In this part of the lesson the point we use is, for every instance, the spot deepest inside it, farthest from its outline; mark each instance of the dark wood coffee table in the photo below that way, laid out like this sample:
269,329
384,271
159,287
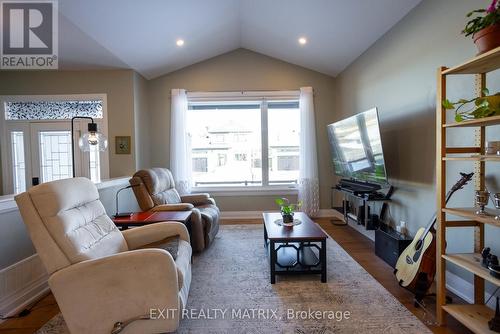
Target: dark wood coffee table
150,217
300,249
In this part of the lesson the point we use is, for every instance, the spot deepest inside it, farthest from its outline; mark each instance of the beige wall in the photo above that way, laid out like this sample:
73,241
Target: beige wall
141,121
243,70
398,75
117,84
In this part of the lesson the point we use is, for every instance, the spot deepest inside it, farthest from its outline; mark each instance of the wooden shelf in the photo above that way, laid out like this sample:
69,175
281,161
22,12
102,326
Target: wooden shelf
474,317
486,121
472,263
484,63
470,213
474,158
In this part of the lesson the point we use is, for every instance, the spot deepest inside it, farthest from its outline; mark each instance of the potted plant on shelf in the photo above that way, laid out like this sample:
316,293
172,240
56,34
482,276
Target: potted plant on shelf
287,209
485,28
478,107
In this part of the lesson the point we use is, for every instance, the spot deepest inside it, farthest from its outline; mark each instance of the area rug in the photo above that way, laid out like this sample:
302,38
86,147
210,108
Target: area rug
231,293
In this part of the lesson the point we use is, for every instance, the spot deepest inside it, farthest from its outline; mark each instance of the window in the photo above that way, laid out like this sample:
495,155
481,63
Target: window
239,129
284,141
200,165
240,157
288,163
39,142
18,164
221,160
55,155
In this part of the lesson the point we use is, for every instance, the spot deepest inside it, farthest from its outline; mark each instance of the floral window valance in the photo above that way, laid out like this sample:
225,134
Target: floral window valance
40,110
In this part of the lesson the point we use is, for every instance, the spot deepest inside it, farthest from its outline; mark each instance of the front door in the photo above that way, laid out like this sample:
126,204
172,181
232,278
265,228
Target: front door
41,152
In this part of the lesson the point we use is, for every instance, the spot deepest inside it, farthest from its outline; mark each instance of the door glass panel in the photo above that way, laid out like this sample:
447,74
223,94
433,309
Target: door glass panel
18,162
55,155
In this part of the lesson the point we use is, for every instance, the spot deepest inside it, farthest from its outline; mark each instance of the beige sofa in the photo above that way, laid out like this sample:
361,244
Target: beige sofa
100,276
155,190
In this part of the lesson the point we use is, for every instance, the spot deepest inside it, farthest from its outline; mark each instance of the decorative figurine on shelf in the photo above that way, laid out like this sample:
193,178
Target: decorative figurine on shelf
482,199
494,323
496,201
287,209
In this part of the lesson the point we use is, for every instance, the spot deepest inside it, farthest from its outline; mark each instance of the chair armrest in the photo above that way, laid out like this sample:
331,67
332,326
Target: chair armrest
198,199
93,295
173,207
148,234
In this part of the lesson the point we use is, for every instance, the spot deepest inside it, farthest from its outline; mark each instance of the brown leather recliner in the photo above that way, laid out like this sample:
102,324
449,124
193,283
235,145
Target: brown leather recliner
155,190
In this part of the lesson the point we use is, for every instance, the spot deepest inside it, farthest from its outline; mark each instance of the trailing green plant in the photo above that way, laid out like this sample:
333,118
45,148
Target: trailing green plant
480,22
478,107
285,206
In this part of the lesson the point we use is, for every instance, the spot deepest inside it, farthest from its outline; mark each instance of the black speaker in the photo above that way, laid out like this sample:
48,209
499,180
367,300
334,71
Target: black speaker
389,244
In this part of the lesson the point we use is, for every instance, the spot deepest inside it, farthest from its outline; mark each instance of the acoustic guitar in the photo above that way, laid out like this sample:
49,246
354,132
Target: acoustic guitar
416,266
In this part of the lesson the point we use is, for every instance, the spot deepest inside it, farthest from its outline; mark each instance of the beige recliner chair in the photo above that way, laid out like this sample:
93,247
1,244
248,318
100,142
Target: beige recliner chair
99,275
155,190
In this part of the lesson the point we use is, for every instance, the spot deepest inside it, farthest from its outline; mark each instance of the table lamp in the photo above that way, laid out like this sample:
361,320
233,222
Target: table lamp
119,214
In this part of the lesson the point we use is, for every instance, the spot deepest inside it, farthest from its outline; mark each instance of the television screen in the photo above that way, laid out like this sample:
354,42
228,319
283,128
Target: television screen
357,149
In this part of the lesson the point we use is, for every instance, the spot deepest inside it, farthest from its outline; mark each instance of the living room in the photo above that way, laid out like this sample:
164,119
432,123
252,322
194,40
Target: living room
146,161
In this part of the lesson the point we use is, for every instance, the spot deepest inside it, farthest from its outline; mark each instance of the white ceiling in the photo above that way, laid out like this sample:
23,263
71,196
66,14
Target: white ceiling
141,35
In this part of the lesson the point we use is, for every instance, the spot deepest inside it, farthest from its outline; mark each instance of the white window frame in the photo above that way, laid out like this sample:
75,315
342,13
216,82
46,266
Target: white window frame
6,125
263,97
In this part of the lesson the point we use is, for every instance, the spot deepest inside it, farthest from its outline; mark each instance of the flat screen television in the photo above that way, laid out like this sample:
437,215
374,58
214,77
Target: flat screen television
357,149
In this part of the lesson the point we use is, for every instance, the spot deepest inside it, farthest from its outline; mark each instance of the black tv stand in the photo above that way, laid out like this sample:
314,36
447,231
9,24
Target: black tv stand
357,187
354,191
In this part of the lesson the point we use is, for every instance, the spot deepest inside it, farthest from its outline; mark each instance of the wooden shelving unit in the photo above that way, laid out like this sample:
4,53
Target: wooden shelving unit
470,213
474,158
474,316
472,263
493,120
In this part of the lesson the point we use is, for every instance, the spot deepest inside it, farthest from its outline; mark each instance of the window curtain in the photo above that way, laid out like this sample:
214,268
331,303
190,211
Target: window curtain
308,159
180,148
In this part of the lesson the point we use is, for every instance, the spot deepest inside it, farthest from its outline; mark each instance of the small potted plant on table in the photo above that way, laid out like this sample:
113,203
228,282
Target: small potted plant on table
485,30
287,209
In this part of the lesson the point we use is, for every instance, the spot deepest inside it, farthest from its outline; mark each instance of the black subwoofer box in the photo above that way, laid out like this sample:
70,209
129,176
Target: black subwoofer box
389,244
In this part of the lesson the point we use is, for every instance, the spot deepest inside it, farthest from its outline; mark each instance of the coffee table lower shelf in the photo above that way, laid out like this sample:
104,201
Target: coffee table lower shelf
297,258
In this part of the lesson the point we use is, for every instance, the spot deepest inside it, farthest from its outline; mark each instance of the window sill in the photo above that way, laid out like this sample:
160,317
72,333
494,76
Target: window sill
246,191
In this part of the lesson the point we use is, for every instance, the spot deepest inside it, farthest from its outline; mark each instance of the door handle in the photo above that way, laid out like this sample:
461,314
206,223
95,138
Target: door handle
35,181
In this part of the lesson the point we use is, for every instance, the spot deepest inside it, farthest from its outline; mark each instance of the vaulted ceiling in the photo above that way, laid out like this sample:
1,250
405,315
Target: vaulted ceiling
142,35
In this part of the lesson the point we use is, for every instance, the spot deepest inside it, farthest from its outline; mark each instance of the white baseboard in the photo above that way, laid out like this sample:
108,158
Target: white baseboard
22,284
244,215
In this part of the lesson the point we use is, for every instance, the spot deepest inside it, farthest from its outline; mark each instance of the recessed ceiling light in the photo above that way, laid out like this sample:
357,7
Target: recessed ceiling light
302,41
180,42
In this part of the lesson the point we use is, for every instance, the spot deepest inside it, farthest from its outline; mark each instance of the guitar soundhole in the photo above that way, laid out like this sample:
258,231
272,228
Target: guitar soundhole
418,245
409,260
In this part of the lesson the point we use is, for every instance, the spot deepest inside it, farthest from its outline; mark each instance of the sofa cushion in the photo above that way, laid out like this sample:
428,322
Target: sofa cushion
170,196
183,263
170,244
210,214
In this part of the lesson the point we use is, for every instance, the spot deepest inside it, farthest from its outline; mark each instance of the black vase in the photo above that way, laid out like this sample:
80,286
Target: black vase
287,218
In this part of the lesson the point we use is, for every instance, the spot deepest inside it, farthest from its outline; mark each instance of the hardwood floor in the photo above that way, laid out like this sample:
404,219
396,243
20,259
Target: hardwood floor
358,246
42,312
361,249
